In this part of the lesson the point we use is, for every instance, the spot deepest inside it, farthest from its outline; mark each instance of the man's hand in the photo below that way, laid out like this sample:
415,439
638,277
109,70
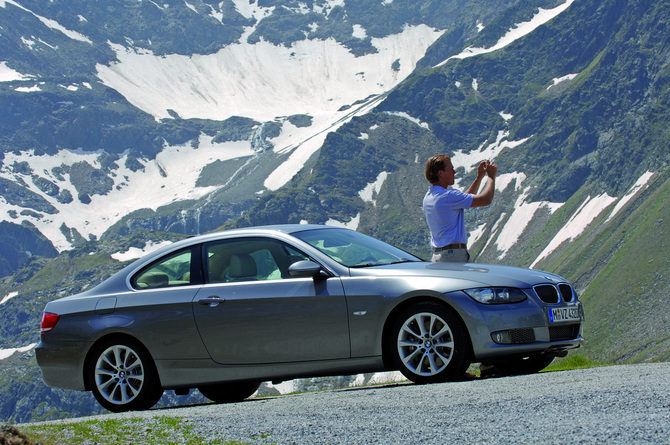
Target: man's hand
491,169
486,196
482,168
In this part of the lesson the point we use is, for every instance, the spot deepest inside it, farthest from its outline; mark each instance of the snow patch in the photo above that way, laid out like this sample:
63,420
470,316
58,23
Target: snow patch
641,184
378,378
191,7
470,161
302,145
8,297
28,42
353,224
504,180
170,177
135,252
474,235
516,32
8,75
494,230
516,224
305,142
359,32
288,387
506,116
51,23
558,80
6,353
369,193
408,117
35,88
585,214
241,79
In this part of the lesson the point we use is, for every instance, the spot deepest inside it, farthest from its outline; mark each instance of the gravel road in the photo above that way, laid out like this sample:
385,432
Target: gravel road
620,404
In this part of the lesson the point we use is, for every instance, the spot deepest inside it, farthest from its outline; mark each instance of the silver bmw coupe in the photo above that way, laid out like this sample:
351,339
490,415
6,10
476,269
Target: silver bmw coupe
226,311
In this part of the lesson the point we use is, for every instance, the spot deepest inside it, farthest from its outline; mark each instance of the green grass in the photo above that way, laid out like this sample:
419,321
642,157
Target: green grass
159,430
573,362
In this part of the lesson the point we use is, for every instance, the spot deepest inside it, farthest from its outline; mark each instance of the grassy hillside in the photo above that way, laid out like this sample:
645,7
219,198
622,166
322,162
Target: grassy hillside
625,263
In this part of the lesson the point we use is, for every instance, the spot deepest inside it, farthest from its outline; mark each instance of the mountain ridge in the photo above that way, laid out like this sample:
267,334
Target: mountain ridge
574,113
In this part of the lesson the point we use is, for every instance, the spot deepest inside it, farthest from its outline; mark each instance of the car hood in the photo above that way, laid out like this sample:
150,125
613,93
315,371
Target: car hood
478,274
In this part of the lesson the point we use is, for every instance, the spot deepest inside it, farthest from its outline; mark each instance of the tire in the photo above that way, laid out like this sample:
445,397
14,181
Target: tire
123,377
430,344
229,392
523,365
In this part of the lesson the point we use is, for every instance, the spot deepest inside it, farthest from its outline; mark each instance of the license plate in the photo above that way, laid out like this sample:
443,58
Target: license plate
561,314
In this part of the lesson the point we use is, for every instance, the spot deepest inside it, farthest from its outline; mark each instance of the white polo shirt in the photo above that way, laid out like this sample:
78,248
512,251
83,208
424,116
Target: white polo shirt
445,215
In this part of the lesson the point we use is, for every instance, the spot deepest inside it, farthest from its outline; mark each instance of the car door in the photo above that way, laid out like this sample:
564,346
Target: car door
158,310
250,310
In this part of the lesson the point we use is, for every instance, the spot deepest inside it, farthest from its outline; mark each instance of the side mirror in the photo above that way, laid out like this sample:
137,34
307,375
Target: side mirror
304,269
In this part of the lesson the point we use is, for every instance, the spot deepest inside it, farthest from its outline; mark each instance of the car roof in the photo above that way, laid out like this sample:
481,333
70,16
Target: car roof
120,277
282,228
285,228
253,230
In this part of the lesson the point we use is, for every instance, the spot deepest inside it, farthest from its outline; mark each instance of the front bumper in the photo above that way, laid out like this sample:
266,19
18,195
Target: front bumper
500,330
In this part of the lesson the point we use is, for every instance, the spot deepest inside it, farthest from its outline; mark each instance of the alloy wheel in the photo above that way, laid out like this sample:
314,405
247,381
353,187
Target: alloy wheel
119,374
425,344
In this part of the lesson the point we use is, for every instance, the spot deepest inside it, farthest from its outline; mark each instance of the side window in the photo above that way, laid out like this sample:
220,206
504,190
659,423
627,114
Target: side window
173,270
266,266
249,259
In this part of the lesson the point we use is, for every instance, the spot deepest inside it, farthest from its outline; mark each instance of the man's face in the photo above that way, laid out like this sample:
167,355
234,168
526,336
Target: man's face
447,176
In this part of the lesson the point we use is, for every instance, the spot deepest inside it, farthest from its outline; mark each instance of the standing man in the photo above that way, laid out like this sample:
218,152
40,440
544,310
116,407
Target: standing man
445,208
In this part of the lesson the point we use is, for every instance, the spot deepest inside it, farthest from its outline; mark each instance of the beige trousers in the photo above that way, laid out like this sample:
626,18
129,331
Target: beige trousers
451,256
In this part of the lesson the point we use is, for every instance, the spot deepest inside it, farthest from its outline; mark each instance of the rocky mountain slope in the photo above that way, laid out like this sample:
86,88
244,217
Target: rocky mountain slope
131,124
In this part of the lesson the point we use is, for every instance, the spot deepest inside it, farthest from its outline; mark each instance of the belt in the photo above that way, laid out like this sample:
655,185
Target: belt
451,247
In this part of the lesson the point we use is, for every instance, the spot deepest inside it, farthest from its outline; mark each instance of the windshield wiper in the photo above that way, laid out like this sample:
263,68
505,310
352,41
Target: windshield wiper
400,260
403,260
365,265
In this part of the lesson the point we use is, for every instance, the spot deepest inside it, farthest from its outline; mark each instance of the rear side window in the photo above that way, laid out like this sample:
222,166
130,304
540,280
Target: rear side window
172,270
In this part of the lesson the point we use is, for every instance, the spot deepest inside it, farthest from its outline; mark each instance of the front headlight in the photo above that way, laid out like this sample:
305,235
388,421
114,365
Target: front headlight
496,295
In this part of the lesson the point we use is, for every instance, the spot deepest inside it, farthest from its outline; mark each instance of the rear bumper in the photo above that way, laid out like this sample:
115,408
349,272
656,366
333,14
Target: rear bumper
62,366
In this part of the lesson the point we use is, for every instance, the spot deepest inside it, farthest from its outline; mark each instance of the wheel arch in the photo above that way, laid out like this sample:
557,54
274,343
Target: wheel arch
116,337
387,344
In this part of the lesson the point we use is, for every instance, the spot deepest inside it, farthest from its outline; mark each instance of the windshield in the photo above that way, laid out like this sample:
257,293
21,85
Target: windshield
353,249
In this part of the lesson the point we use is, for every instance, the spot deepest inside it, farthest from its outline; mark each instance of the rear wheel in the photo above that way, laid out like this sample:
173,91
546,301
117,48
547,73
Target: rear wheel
229,392
123,377
430,344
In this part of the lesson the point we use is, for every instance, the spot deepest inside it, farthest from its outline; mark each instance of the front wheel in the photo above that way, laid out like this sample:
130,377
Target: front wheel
430,344
123,377
229,392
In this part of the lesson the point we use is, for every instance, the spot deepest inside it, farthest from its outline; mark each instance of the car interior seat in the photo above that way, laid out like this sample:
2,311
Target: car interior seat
242,267
216,268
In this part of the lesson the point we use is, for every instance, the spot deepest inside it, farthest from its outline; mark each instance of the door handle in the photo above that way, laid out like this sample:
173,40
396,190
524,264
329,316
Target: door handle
212,301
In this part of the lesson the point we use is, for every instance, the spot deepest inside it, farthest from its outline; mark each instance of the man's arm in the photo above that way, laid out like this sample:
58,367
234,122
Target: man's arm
481,172
486,196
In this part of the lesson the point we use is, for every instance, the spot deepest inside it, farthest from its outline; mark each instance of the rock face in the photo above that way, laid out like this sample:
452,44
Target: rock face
19,243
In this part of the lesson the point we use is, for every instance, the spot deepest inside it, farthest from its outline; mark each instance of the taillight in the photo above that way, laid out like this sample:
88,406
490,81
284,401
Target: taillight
49,321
